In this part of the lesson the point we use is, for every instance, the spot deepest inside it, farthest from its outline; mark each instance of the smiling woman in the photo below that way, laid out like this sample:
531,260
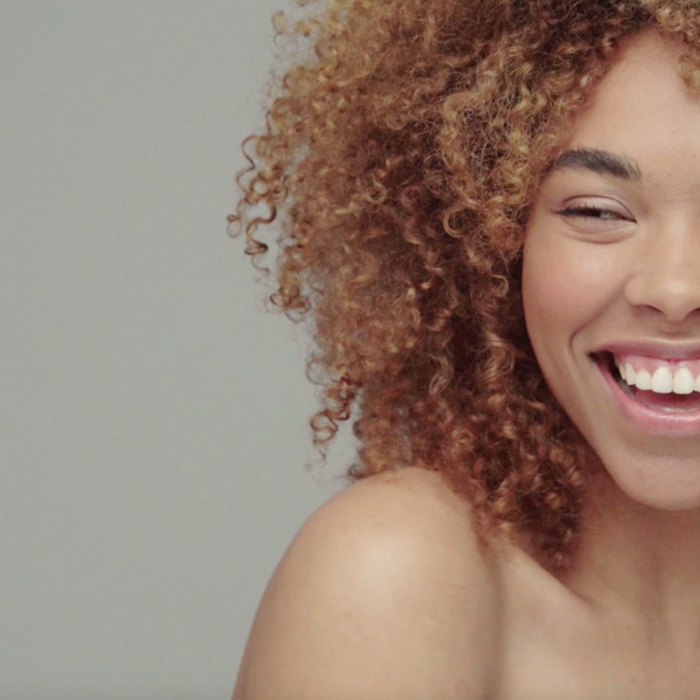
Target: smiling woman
615,228
489,210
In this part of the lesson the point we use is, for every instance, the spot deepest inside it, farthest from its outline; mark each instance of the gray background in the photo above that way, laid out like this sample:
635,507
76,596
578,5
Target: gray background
153,419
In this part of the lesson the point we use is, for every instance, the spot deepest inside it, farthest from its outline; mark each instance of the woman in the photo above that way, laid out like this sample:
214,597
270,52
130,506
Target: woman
490,210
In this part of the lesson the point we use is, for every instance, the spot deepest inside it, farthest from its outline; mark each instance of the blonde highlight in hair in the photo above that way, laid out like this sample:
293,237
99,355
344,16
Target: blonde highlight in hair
399,160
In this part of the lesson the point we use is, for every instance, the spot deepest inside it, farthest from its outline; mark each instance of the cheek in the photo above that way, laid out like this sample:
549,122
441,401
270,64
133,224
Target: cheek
549,297
566,284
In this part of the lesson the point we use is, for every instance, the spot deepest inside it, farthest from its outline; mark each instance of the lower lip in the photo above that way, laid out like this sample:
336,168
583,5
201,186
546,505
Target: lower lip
685,424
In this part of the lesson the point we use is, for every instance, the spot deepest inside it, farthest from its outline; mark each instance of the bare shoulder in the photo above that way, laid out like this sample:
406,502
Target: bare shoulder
384,593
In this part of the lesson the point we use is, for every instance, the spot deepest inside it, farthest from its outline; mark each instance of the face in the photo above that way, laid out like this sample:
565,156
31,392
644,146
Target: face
611,274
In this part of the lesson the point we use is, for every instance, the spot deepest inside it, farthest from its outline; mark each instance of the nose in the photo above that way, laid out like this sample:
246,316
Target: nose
667,273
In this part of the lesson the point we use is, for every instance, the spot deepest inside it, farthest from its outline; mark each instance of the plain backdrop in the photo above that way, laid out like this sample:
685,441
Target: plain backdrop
153,418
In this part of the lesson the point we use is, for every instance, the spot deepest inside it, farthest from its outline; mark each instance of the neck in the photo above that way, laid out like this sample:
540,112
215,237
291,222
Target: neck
640,564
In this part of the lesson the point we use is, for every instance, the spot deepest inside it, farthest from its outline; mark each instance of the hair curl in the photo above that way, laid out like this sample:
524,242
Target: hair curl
400,158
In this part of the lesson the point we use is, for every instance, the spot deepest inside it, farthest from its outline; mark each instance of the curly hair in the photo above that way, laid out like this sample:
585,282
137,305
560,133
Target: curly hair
399,159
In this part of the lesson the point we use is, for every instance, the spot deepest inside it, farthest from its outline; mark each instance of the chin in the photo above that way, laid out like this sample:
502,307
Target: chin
671,486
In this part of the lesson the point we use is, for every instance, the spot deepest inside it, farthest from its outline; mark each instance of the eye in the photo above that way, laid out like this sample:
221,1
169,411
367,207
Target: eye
589,212
595,219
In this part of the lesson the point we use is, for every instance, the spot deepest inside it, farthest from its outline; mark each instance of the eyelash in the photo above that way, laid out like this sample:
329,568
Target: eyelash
591,213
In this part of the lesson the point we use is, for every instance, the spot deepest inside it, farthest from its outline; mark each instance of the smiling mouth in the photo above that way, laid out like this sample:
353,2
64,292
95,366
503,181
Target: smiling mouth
666,403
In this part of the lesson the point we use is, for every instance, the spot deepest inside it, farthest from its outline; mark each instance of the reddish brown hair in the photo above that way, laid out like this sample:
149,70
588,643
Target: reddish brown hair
399,160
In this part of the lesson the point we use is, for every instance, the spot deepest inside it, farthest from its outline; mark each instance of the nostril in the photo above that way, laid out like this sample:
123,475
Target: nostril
674,296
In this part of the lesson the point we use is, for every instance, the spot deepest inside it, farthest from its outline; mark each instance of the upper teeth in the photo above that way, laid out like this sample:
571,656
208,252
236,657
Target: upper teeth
662,381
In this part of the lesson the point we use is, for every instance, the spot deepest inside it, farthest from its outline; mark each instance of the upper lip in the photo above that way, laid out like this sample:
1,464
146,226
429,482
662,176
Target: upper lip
659,349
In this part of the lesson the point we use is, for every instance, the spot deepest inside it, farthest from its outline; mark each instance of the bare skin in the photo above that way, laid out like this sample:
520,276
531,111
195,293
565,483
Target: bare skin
631,272
386,595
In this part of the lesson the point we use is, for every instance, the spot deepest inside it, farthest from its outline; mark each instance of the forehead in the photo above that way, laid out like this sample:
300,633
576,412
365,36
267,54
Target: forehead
643,109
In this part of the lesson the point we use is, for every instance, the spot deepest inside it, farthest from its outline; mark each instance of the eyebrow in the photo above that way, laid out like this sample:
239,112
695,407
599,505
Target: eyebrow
597,161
